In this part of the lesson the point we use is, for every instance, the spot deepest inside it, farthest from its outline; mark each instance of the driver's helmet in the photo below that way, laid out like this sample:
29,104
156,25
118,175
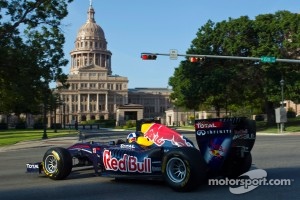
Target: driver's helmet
131,137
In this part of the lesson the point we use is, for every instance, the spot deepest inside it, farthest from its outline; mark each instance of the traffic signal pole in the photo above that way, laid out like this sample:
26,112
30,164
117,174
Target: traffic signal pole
265,59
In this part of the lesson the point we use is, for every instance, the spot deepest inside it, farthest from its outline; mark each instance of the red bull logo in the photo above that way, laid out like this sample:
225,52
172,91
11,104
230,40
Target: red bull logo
159,134
216,150
126,164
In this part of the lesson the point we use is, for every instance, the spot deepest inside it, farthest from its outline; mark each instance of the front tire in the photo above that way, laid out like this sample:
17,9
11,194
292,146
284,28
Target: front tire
57,163
184,169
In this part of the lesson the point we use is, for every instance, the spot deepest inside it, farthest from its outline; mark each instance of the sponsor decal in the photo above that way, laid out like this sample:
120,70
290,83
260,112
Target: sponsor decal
216,150
243,134
205,124
159,134
213,132
127,146
126,164
56,156
32,166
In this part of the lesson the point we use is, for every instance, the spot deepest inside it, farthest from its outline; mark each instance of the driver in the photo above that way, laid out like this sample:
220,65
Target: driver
139,139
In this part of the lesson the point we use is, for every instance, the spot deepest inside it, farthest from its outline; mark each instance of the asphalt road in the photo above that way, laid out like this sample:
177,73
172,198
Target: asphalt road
278,155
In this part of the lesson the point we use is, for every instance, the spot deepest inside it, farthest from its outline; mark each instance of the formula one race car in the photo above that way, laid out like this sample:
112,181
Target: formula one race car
224,149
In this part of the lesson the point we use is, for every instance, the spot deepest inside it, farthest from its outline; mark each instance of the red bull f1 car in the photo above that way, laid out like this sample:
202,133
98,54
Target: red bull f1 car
224,146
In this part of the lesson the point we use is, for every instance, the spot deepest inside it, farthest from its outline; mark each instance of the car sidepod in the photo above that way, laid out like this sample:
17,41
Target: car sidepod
132,161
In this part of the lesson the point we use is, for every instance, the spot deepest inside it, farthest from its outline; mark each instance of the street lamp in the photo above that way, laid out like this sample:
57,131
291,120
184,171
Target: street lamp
282,106
282,84
64,114
46,87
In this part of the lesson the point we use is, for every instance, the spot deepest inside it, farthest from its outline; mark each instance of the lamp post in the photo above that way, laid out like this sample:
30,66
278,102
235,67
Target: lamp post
177,121
282,106
64,115
45,136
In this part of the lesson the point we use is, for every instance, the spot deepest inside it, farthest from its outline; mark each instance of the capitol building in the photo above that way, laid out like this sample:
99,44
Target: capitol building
95,93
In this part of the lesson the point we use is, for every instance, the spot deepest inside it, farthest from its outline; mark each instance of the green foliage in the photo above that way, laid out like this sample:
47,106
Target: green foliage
38,125
243,87
130,123
291,113
101,122
3,126
21,125
31,52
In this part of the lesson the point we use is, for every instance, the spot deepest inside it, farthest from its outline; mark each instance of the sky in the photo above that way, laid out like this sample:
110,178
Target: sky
157,26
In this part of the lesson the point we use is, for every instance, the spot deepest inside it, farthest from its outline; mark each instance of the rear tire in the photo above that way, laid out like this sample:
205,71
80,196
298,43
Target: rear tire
57,163
184,169
233,168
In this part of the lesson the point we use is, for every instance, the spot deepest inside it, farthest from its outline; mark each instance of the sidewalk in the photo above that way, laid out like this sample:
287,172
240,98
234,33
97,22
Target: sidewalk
60,141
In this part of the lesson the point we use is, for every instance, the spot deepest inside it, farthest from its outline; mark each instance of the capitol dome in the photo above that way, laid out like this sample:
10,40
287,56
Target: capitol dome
91,30
90,46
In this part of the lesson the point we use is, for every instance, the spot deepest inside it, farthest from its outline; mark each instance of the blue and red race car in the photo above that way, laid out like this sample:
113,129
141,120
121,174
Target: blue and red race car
224,146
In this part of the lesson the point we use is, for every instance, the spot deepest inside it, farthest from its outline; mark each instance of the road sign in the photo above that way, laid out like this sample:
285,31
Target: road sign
173,54
268,59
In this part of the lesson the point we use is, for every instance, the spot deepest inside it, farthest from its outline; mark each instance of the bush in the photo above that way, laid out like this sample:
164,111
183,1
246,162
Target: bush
38,126
259,118
21,125
290,114
130,123
56,125
3,126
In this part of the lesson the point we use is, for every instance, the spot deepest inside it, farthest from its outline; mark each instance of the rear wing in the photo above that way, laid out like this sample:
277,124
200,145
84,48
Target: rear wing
241,130
216,137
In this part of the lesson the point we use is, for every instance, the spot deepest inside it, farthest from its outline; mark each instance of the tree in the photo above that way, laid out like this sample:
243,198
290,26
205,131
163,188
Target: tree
31,51
241,83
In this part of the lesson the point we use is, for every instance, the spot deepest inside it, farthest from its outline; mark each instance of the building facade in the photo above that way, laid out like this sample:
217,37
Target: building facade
95,93
154,100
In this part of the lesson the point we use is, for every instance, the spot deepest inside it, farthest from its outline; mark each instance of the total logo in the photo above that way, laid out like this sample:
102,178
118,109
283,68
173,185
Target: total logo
126,164
32,166
204,125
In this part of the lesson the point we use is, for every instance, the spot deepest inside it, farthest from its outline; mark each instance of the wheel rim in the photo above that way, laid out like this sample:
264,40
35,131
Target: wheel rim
176,170
50,163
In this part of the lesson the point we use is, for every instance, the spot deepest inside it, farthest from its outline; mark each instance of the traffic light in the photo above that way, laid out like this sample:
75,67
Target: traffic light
148,56
196,59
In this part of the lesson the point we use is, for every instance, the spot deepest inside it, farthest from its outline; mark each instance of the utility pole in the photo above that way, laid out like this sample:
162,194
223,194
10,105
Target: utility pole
173,56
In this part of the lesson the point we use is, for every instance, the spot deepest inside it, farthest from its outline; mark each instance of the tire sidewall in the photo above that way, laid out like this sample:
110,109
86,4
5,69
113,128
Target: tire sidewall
64,163
192,164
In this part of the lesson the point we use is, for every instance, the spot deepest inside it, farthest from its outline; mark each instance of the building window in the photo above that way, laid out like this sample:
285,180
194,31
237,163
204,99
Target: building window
92,85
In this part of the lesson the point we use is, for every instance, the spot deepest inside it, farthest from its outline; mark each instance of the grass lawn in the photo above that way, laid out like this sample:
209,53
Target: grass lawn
293,125
12,136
